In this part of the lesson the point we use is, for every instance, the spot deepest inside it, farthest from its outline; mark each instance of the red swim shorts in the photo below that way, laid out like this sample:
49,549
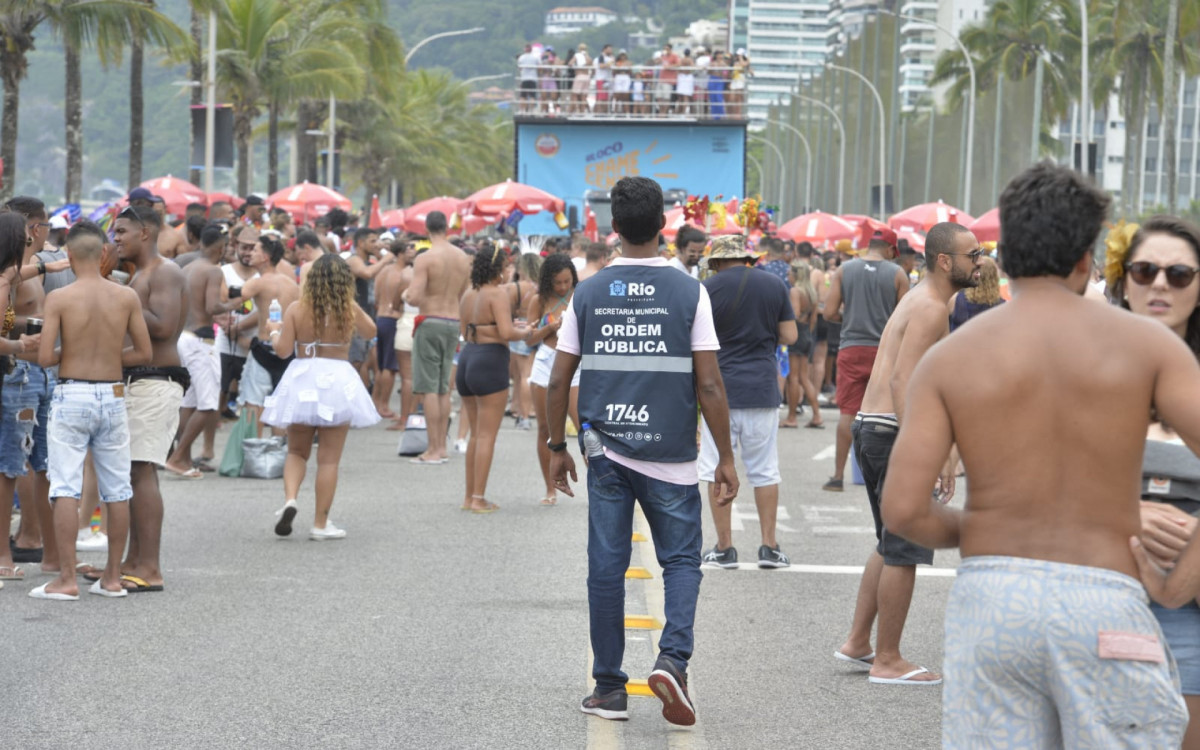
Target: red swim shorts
853,372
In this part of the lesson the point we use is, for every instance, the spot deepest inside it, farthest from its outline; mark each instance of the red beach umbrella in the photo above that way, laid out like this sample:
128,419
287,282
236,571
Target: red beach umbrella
987,227
307,201
923,217
507,196
176,193
819,228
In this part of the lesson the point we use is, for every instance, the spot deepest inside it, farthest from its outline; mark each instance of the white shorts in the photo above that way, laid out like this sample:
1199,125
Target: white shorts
152,408
752,432
404,333
543,363
203,364
255,384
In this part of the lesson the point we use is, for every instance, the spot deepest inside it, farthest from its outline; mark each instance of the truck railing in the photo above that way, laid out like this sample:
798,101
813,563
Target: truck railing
630,92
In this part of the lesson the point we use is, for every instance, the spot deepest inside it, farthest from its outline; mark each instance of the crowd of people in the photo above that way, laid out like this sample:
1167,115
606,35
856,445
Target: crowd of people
668,363
701,83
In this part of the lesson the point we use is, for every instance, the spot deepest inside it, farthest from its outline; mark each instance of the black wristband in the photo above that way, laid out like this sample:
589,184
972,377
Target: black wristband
556,447
41,266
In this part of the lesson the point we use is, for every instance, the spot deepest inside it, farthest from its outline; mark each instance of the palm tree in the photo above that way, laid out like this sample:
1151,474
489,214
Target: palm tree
1010,41
78,23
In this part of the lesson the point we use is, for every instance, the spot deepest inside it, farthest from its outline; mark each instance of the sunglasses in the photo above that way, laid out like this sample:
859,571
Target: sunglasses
974,255
1144,273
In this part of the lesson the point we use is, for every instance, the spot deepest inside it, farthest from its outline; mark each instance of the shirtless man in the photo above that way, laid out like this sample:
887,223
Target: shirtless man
252,211
441,275
152,392
597,256
919,321
308,249
366,262
1048,636
386,316
93,316
172,241
264,369
198,352
406,254
220,211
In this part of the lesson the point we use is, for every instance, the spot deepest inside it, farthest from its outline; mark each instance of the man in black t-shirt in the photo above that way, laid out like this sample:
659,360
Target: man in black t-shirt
753,317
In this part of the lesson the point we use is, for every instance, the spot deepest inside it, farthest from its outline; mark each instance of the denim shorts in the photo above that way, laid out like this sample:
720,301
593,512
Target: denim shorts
24,412
1181,629
83,416
874,436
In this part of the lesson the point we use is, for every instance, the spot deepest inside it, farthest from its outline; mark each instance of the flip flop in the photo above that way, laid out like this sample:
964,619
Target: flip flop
99,590
139,585
866,662
41,593
24,554
811,426
427,462
550,502
204,466
192,473
786,426
89,572
905,679
12,574
489,508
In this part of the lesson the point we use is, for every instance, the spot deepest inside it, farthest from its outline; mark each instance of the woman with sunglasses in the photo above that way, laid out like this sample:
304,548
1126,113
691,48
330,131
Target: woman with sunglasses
486,325
1157,278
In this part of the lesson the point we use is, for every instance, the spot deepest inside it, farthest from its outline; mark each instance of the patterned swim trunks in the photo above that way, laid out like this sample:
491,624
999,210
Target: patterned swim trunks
1047,655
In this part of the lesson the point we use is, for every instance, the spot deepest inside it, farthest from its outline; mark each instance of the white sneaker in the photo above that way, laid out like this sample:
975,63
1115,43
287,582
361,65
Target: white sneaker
460,446
329,532
91,542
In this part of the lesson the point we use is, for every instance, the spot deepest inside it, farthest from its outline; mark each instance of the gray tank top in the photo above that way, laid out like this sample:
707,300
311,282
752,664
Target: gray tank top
868,299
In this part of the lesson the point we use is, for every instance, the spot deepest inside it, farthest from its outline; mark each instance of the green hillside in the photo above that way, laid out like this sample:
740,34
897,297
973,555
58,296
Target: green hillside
508,26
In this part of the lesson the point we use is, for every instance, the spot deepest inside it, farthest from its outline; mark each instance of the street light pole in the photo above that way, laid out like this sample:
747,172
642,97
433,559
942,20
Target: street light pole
442,35
1084,114
841,152
758,165
332,140
210,111
782,165
966,206
882,133
807,164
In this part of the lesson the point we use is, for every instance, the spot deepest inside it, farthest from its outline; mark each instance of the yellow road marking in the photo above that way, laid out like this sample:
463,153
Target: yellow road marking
643,622
636,572
639,537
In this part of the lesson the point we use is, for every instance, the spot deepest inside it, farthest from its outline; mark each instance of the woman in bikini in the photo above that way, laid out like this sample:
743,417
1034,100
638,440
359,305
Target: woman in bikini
555,288
804,305
523,285
320,394
486,324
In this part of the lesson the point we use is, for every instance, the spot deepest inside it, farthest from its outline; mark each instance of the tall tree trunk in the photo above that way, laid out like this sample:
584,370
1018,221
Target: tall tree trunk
241,131
195,174
1168,108
273,147
10,70
136,112
306,153
1139,164
73,113
1130,172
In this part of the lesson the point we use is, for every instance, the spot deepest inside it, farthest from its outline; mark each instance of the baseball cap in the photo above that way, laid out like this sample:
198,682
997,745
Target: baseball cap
140,194
254,200
58,222
386,237
885,234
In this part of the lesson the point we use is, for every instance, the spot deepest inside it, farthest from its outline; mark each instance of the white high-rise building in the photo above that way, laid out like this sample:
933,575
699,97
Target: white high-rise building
922,44
785,41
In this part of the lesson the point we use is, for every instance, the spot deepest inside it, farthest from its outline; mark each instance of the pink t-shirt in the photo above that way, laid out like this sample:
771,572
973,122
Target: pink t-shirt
704,339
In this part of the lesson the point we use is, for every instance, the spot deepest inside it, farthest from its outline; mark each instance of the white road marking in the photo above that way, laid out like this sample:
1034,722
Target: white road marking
826,454
751,514
843,570
827,530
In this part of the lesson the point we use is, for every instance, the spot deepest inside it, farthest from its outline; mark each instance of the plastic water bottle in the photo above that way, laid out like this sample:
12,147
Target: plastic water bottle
275,312
592,446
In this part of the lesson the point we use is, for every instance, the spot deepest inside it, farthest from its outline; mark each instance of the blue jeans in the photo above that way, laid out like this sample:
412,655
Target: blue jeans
24,413
673,511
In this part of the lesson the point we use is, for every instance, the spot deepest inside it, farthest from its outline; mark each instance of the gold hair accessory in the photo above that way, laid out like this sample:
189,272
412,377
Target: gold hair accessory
1117,251
10,319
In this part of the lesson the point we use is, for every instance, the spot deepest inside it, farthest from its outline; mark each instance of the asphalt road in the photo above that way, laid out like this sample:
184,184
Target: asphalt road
432,628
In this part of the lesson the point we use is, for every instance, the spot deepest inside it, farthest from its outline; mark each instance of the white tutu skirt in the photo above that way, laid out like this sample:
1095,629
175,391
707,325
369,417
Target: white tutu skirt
320,392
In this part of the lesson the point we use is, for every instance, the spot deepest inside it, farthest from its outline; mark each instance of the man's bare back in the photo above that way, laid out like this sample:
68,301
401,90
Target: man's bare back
172,242
440,277
917,323
93,316
270,285
203,279
387,292
1050,421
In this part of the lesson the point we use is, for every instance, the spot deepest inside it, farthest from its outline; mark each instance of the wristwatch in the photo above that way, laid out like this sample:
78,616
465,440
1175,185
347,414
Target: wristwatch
556,447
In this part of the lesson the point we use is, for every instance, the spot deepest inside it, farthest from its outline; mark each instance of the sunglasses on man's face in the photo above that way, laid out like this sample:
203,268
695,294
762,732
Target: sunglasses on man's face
1144,273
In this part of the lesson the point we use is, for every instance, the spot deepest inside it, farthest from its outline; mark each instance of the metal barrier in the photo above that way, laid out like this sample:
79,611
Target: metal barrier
631,92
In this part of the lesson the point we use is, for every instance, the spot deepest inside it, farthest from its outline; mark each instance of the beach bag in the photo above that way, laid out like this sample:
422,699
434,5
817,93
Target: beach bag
264,457
415,439
245,427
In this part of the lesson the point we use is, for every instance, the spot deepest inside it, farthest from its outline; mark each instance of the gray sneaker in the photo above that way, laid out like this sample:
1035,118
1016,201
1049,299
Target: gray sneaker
613,706
722,558
771,557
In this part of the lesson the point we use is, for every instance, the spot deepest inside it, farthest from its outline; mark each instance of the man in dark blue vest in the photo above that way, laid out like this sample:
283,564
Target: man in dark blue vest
644,337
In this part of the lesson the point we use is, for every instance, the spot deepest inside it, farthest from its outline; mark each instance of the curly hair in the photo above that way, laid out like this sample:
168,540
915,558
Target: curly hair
988,291
1180,229
551,267
487,266
328,295
529,266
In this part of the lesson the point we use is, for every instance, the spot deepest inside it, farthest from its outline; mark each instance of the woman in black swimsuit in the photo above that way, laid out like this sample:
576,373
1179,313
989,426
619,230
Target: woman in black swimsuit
482,379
